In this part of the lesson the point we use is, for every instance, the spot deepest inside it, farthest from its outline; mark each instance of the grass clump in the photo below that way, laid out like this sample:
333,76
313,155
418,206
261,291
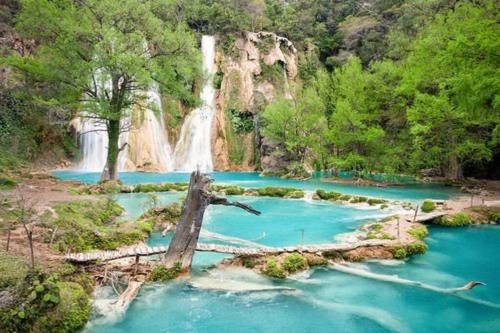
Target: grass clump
295,194
228,189
399,253
416,248
13,269
345,197
428,206
165,187
294,262
324,195
359,199
87,225
374,201
170,213
279,192
419,232
162,273
455,220
273,269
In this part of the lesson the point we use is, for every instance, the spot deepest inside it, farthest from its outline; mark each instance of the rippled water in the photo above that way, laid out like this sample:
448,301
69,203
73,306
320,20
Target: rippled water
324,300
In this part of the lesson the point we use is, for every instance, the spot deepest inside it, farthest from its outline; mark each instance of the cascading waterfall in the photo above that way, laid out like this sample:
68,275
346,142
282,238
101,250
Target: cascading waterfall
93,140
193,150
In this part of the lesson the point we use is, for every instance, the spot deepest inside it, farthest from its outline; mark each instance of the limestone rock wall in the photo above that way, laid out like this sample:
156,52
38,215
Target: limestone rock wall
258,67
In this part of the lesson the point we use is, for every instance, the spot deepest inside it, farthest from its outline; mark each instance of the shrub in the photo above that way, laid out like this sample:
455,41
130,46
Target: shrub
345,197
248,262
273,269
456,220
416,248
419,232
399,253
494,217
374,201
359,199
428,206
328,195
294,263
276,191
162,273
295,194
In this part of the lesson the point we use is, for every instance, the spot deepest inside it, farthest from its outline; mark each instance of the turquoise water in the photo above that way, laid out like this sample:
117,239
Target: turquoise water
253,179
325,300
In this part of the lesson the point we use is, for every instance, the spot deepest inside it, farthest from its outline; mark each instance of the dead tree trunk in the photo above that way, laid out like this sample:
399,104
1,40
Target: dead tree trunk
186,236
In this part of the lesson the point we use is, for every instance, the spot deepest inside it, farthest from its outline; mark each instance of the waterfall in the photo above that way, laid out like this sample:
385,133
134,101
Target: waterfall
93,141
193,149
149,140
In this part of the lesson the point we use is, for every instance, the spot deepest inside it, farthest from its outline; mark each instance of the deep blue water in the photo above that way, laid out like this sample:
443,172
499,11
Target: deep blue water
327,300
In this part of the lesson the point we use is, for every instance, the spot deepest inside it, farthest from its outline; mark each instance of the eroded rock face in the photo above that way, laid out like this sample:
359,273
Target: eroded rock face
259,67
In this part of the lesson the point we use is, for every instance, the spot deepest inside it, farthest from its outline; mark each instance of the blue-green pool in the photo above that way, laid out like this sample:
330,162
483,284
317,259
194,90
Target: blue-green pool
253,179
325,300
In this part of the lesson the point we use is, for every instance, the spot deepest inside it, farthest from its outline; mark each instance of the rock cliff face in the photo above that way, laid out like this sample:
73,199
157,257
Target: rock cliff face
255,68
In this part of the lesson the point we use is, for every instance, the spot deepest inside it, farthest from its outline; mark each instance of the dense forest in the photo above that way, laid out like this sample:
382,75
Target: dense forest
388,86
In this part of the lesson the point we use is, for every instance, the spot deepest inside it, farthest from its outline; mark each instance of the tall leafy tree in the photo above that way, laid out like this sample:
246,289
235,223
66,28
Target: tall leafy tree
453,81
297,125
98,55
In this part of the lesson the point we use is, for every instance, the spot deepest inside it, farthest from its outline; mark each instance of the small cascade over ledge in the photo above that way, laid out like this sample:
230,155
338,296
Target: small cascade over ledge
193,150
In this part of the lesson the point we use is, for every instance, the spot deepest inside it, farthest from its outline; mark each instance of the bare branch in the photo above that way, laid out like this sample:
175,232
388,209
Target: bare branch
223,201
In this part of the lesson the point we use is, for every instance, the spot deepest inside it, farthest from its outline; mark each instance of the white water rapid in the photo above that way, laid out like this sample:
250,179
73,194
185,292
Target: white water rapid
193,150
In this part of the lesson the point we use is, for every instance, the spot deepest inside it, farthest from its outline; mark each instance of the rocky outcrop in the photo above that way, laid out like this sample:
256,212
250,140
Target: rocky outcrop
256,68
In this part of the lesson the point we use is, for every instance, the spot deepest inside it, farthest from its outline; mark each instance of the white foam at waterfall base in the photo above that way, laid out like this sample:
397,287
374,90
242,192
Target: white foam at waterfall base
193,150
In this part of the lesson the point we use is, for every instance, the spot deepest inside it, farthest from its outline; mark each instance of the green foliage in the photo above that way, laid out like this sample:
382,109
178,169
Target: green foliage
276,191
274,269
228,189
375,201
295,194
399,253
322,194
165,187
248,262
242,122
356,199
296,125
170,213
162,273
294,262
455,220
416,248
428,206
74,56
419,232
89,225
13,270
46,304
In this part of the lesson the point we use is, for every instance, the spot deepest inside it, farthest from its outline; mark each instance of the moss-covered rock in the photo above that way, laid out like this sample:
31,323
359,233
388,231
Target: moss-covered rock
276,191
